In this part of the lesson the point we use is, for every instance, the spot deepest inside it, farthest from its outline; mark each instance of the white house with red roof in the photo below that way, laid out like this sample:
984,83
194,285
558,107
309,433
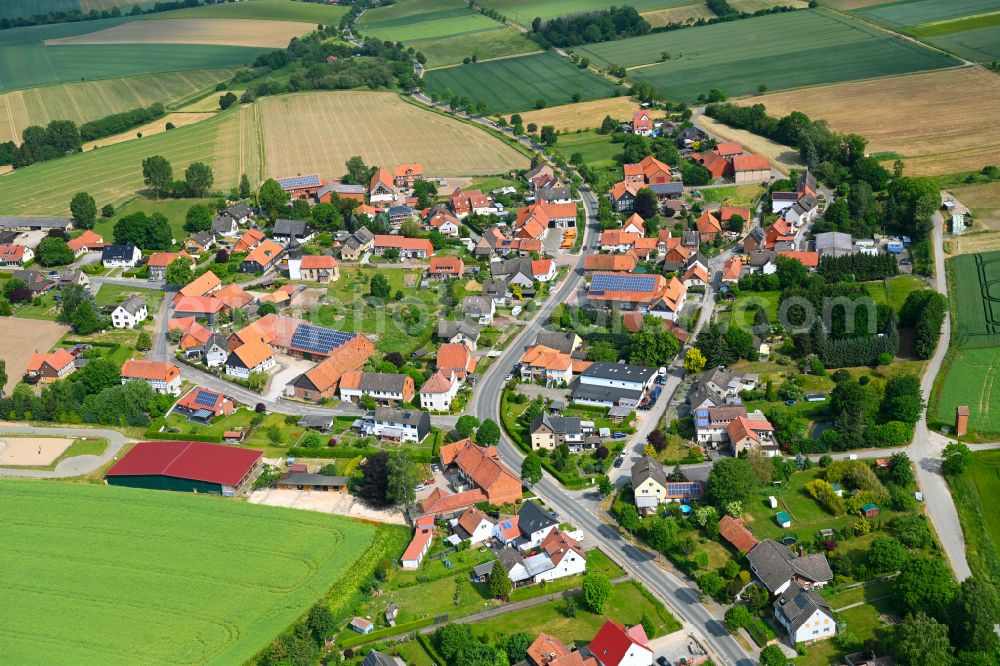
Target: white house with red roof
642,123
15,255
421,543
439,391
473,526
616,645
382,188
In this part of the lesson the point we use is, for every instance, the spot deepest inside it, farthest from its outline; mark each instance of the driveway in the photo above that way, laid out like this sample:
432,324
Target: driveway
289,369
341,504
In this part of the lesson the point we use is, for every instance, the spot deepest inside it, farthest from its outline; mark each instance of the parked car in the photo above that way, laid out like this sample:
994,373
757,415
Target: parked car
618,462
618,434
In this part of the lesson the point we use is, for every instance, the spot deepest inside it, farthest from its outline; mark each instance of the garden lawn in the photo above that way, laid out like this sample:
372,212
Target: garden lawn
975,491
517,84
626,605
46,309
113,294
213,432
736,195
126,584
739,56
175,210
862,621
741,312
895,290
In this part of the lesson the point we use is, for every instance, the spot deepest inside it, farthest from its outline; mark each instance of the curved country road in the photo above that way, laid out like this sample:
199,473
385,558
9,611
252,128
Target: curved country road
75,466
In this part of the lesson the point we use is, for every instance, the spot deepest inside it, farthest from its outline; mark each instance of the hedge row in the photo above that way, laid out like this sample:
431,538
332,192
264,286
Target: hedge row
404,628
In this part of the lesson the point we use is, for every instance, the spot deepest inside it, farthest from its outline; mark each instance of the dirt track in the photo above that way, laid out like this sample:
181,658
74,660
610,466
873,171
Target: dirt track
31,451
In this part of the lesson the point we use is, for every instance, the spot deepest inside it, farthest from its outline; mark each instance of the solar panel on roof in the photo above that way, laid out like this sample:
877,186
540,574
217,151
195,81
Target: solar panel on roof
604,282
206,398
299,181
319,340
507,525
683,488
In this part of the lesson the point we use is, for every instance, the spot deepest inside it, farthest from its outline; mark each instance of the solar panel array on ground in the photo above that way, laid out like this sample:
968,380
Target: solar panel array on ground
605,282
300,181
319,340
206,398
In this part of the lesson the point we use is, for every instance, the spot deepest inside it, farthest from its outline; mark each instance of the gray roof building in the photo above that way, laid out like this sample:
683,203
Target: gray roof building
619,372
563,342
376,658
340,189
446,330
558,425
775,564
604,394
797,604
383,382
834,244
37,223
477,306
290,228
532,518
405,417
132,305
648,468
495,288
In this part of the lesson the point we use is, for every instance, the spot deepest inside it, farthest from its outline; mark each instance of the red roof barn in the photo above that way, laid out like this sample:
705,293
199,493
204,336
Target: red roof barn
186,466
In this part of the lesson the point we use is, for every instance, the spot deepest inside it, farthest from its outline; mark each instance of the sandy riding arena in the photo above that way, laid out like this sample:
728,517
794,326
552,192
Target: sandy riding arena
31,451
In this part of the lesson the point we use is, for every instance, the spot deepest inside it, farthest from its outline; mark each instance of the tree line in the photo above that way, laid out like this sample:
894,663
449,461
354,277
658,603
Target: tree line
76,16
589,28
924,310
117,123
858,267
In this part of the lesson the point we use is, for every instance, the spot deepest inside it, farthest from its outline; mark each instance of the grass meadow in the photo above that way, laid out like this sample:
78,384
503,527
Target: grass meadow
974,491
916,12
137,576
497,43
517,84
267,10
409,20
82,102
524,11
228,143
25,61
738,56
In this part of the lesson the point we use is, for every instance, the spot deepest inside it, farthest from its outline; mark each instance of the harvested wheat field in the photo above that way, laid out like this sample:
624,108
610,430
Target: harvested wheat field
751,6
971,243
983,199
31,451
23,338
222,32
924,117
150,129
583,115
682,14
783,158
319,132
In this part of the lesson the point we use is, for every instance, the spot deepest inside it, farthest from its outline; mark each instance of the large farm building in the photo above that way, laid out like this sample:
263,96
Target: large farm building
192,467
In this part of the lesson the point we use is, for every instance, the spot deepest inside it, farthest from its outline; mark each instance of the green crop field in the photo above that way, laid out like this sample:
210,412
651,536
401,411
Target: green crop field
515,84
981,44
81,102
502,41
25,61
971,379
738,56
915,12
120,576
975,491
409,20
25,8
273,10
977,305
523,11
229,143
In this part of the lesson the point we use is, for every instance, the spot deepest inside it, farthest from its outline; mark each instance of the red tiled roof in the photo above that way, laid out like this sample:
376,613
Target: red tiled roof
708,224
57,360
472,518
751,163
249,239
381,177
164,259
87,239
624,263
404,243
454,356
732,269
137,369
545,649
715,163
619,237
402,169
727,212
211,463
416,547
201,285
318,262
447,265
732,530
197,397
265,253
439,382
807,259
612,643
440,501
12,252
729,148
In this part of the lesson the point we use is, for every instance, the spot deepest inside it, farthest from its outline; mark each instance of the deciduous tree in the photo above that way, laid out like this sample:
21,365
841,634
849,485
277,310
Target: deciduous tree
84,210
157,174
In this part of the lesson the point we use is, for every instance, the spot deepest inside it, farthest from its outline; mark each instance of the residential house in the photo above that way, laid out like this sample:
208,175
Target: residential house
382,187
834,244
120,256
649,171
548,215
623,197
808,259
710,423
750,169
203,405
480,468
521,271
447,504
535,525
555,368
47,368
550,432
438,392
470,201
443,268
376,658
319,268
736,533
642,123
555,192
463,332
479,308
613,384
159,262
732,270
696,276
224,226
708,227
357,244
649,483
402,425
301,187
199,243
88,241
36,281
250,357
670,303
730,149
439,218
262,258
560,556
15,255
614,645
323,380
129,313
162,377
68,276
202,308
618,240
540,176
777,567
250,239
727,213
456,358
496,288
717,387
406,175
754,240
802,211
634,224
400,214
804,614
717,165
385,388
421,543
761,261
408,248
285,230
780,232
506,531
474,526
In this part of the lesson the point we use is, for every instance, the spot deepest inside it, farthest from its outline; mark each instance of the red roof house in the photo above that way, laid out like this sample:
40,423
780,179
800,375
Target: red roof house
614,645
